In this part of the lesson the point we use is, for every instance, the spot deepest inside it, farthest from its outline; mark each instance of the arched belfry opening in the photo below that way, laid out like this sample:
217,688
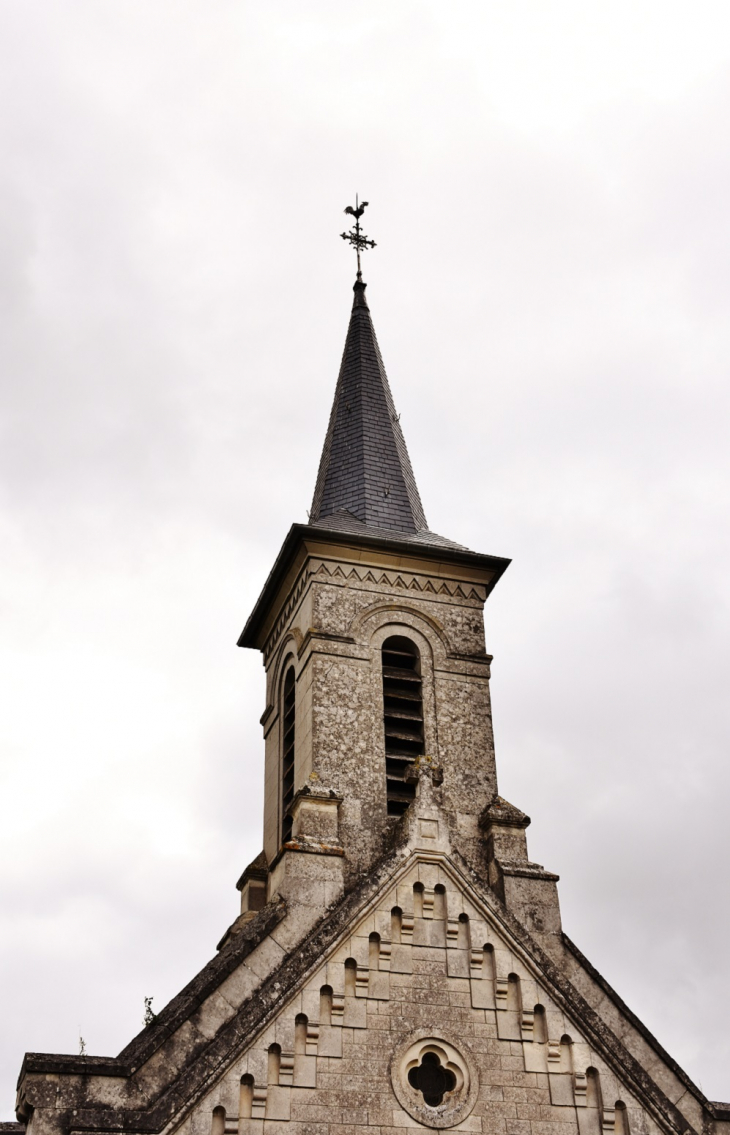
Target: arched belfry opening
287,752
402,718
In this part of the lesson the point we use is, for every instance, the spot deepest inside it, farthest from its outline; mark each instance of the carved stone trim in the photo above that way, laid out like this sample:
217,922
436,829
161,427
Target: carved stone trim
442,589
430,585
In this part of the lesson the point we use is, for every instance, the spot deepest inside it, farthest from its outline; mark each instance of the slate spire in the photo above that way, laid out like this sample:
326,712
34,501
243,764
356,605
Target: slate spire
365,472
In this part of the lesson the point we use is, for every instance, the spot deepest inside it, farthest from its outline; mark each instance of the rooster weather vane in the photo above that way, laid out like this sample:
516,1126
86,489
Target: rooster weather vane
357,239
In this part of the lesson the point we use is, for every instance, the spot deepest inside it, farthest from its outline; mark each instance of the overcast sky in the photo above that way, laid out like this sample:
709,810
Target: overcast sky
548,187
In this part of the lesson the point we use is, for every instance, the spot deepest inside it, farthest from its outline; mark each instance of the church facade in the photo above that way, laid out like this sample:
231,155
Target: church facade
398,961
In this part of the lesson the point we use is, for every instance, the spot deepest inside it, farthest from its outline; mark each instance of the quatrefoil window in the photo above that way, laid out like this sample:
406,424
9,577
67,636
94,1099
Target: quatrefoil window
435,1082
431,1079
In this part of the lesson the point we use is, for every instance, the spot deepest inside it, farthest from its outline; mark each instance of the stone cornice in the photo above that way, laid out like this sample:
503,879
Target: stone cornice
434,588
308,540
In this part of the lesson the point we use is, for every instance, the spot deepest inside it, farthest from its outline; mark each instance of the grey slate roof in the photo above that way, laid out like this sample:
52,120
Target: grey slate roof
344,521
365,479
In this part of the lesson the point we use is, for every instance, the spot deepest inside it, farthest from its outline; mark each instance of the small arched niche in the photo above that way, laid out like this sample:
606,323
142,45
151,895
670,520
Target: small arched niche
539,1028
350,977
245,1104
325,1005
621,1119
300,1034
274,1064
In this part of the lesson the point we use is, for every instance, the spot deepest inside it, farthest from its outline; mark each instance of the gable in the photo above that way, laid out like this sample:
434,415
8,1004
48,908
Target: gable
425,963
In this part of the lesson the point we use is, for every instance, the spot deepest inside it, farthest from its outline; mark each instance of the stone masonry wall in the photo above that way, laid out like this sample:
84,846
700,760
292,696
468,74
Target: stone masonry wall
425,963
333,632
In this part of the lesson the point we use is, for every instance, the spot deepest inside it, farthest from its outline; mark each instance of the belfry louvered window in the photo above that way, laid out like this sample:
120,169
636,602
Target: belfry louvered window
403,715
287,753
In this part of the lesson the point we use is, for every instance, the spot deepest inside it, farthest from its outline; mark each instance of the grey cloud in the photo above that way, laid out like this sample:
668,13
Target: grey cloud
550,292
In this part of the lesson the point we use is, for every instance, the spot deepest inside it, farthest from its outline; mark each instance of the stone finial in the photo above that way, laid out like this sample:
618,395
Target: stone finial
526,889
424,824
253,885
308,872
504,826
315,821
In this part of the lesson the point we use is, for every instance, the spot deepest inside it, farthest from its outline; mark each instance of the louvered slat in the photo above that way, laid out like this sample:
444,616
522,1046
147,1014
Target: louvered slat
402,720
288,755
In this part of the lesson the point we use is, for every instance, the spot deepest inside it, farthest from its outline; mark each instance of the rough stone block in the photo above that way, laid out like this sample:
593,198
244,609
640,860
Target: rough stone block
437,932
250,1126
401,959
471,1123
482,993
311,1003
257,1064
589,1121
457,962
278,1103
265,958
508,1025
355,1013
383,921
379,985
360,950
561,1090
404,897
330,1041
365,928
305,1071
421,936
535,1056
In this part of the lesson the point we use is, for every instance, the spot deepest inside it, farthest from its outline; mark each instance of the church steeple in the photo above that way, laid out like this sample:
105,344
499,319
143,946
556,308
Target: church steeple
371,628
365,472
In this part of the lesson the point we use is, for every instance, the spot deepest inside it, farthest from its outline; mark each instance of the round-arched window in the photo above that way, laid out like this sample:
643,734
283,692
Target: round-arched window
403,720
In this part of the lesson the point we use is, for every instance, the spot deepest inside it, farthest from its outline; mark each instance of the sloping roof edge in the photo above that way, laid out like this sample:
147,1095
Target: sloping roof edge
635,1021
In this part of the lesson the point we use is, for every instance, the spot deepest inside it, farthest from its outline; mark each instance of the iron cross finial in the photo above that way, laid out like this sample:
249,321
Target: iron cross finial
357,239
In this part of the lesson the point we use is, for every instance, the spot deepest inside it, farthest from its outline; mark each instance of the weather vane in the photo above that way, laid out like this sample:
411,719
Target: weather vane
357,239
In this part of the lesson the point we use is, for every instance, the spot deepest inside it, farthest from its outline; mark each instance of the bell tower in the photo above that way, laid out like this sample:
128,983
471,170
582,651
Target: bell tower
372,634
